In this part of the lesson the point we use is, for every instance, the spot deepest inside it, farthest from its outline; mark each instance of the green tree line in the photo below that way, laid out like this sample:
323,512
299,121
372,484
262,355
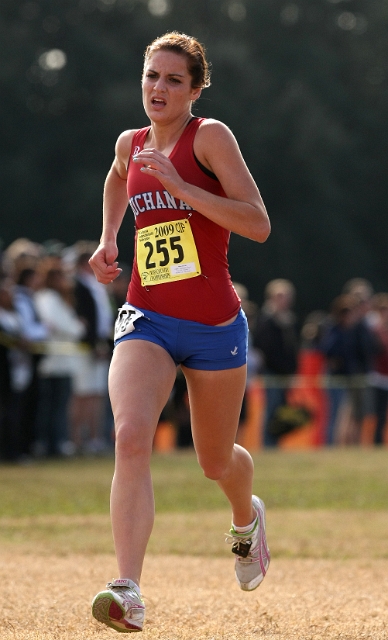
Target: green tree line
302,84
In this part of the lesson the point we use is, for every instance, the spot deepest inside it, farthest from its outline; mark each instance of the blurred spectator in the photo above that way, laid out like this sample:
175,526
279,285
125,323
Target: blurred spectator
15,374
313,329
54,249
93,306
275,335
34,332
56,369
362,289
379,375
21,254
349,346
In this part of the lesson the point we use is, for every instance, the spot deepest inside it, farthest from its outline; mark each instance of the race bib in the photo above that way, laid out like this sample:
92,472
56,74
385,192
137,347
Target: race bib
125,320
167,252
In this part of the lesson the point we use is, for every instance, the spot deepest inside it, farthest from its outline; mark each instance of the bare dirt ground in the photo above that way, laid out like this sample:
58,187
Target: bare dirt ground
45,597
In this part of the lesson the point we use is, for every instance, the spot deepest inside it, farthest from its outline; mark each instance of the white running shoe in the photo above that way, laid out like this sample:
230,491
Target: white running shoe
120,606
252,551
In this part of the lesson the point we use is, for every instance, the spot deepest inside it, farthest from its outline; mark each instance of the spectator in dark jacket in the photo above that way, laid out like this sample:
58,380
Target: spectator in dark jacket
350,346
276,337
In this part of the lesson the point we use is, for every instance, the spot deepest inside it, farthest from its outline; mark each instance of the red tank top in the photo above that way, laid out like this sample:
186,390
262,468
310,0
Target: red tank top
210,297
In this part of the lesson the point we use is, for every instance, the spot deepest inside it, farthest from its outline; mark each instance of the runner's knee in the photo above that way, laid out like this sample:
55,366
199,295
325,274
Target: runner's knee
214,469
131,442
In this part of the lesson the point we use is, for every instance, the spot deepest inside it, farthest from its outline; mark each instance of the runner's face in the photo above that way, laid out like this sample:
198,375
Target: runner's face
167,90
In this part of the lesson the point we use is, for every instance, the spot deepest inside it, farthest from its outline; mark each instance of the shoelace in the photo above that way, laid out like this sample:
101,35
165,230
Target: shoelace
241,544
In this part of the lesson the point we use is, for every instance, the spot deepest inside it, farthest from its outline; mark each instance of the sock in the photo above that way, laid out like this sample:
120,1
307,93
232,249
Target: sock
246,529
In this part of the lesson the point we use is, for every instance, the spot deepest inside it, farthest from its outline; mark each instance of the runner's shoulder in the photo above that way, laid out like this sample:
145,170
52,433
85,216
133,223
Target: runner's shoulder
124,144
211,131
213,125
214,139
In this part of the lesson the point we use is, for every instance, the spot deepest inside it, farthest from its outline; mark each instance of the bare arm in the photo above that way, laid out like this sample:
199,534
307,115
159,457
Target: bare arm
243,210
103,261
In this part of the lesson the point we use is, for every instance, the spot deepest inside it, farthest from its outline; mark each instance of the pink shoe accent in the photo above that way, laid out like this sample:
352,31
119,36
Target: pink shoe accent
115,612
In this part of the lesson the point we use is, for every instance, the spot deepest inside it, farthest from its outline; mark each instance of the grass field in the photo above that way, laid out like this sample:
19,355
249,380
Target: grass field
327,528
321,479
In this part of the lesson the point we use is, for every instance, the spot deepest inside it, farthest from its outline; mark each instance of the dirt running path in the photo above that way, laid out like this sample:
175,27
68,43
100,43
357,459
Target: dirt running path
188,598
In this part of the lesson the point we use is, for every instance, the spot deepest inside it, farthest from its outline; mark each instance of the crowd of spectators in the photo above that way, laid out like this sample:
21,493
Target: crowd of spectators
56,328
351,340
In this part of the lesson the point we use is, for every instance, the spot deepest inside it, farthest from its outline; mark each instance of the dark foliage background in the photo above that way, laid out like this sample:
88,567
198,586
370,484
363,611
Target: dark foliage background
303,85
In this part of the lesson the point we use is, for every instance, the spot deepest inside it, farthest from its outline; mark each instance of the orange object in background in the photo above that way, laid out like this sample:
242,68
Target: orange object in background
165,437
250,432
308,392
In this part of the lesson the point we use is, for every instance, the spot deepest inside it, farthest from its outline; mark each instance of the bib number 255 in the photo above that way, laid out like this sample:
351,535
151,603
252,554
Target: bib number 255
167,252
165,247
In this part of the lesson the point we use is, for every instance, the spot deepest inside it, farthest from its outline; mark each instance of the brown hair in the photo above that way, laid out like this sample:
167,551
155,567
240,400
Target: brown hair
280,285
344,303
189,47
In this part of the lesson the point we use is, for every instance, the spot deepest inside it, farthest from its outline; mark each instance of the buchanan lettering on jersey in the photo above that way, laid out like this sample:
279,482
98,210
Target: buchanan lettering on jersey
150,200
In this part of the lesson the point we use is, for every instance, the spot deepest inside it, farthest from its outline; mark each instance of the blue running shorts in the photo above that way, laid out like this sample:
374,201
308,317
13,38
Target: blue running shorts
193,344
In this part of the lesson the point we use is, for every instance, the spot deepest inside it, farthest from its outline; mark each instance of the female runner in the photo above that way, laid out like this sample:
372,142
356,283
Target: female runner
188,187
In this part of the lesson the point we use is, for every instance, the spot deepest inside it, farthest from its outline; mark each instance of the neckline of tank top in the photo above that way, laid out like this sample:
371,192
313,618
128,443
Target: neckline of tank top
204,169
